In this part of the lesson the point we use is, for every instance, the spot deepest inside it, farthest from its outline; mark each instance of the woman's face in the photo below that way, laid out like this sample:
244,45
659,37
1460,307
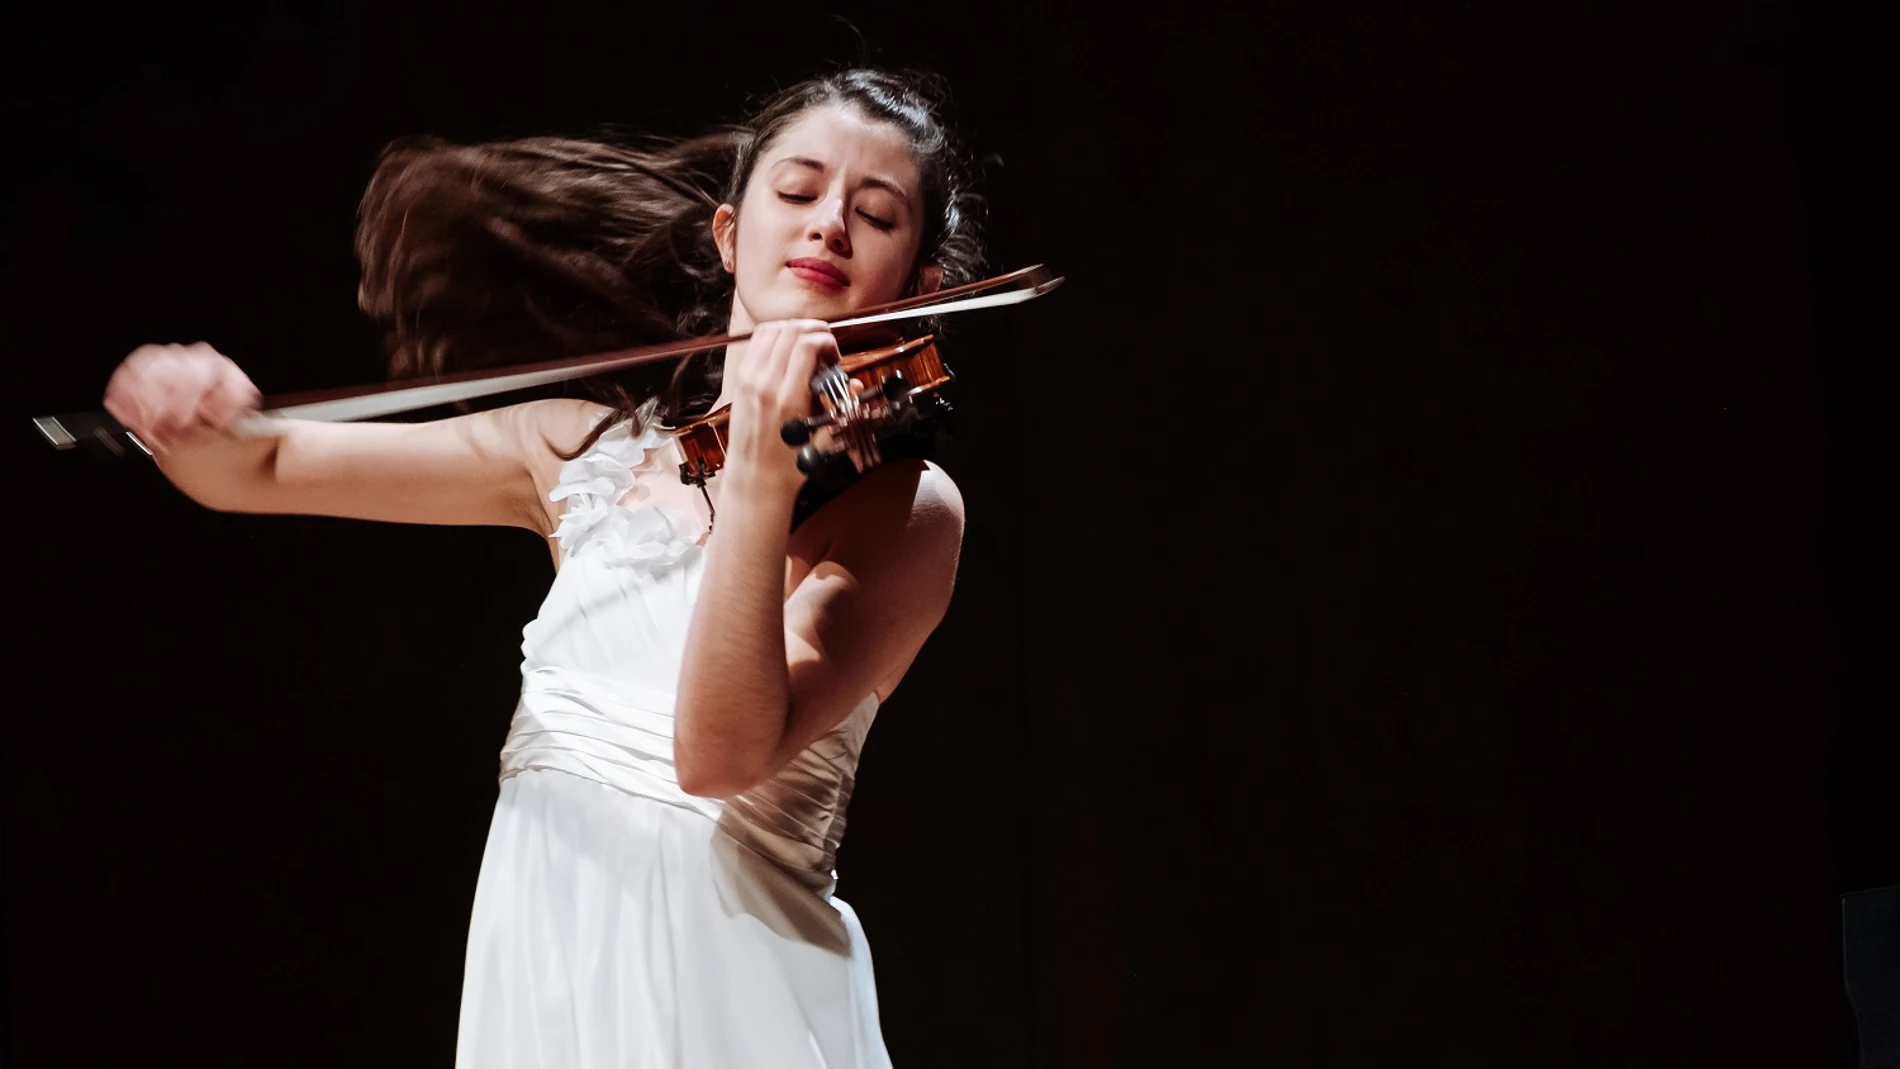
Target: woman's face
830,222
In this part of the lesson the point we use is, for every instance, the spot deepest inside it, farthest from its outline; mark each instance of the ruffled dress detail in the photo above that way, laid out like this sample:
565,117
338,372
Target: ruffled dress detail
609,510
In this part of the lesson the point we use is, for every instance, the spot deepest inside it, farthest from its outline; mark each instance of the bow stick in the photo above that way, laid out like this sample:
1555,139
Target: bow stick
384,399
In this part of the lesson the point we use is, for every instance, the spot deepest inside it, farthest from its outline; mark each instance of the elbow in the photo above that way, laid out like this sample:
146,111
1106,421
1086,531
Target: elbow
214,501
716,754
701,785
209,496
225,501
705,777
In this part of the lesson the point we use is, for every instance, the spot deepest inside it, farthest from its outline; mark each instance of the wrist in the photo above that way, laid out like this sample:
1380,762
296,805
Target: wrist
762,486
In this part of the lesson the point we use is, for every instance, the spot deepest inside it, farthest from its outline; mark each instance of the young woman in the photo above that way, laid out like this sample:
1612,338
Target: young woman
656,888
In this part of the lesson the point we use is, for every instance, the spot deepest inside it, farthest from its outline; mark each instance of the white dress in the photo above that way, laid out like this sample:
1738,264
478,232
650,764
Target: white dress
618,921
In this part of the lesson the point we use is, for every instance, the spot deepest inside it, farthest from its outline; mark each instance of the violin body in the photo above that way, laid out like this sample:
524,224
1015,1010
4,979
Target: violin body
856,403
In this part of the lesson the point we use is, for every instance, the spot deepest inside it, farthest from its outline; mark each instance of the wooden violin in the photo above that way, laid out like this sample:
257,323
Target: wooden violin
857,401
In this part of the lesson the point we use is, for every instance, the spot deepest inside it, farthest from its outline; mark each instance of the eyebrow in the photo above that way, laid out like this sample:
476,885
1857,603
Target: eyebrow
870,180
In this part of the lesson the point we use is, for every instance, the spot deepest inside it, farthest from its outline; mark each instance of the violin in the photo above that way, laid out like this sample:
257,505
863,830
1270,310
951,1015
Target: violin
856,402
859,400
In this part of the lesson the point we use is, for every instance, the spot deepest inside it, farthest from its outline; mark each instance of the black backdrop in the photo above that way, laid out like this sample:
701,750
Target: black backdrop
1415,604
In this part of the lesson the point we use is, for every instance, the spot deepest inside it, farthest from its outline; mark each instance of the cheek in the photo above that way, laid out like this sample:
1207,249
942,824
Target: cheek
755,230
894,273
752,244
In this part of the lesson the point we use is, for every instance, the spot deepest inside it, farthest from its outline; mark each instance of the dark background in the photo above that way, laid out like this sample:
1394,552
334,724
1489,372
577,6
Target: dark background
1420,601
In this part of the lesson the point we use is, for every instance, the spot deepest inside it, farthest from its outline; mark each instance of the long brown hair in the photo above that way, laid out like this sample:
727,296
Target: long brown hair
538,248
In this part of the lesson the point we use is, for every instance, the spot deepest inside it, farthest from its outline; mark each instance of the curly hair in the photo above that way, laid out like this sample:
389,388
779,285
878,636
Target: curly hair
533,249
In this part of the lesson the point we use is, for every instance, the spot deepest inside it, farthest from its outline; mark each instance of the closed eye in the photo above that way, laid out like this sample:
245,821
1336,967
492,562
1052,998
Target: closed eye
806,198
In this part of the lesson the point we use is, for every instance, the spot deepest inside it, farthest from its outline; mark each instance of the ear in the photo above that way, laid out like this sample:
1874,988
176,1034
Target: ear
725,229
929,279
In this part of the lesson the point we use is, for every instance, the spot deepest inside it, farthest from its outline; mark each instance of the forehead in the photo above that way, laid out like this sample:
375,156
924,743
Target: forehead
843,138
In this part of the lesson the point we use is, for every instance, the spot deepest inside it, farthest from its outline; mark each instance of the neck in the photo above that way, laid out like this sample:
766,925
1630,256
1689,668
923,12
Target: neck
739,323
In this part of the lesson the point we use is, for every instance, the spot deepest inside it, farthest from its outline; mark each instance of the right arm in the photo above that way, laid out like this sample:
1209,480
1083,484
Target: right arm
487,468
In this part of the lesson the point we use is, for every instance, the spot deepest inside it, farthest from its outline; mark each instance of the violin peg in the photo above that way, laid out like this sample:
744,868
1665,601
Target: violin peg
811,461
896,387
795,431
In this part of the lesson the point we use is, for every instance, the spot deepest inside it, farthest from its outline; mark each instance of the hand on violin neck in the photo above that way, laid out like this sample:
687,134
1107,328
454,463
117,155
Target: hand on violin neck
766,383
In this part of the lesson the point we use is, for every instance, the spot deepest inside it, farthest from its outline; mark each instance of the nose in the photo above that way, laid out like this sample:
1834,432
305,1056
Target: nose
827,226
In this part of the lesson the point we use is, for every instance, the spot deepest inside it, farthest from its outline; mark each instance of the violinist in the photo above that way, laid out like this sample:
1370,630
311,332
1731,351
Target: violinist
657,884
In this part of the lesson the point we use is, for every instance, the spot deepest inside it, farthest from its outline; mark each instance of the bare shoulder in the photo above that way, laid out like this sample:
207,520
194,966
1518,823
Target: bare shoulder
936,500
548,430
902,508
559,423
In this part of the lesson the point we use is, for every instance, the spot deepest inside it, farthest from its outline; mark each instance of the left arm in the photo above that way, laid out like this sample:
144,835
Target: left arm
765,675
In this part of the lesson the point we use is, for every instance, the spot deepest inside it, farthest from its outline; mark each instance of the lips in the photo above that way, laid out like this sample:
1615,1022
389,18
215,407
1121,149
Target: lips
814,270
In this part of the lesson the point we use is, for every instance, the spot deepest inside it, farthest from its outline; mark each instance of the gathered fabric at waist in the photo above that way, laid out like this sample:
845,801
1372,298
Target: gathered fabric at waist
621,734
602,729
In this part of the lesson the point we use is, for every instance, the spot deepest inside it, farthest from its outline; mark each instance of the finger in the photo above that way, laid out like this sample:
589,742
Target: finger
811,352
827,345
214,413
772,372
118,399
209,375
180,389
756,354
244,401
132,394
144,395
814,332
231,399
121,410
